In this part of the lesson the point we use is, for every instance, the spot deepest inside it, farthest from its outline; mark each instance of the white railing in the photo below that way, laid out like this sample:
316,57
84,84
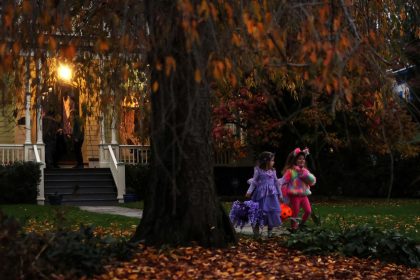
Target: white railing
132,154
108,158
10,153
38,156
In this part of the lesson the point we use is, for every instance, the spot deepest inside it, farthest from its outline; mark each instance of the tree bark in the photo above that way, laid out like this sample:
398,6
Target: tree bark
181,206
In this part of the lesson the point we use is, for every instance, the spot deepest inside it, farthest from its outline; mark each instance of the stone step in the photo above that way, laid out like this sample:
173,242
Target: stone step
87,186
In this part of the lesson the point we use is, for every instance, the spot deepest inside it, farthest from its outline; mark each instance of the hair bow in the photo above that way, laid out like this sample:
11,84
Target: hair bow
298,151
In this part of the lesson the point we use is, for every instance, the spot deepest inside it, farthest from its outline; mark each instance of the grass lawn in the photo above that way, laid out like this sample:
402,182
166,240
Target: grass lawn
402,215
41,218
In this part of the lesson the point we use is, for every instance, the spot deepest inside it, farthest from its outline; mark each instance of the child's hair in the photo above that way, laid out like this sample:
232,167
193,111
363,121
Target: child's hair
264,158
293,156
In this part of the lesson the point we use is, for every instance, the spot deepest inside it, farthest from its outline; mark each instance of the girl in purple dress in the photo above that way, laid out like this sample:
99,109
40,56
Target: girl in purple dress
265,190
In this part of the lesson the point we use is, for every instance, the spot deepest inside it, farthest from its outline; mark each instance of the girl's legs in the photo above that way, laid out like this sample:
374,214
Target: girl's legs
306,207
256,231
270,232
295,205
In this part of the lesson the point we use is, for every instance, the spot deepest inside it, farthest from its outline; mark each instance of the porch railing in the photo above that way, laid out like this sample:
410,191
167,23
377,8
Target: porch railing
10,153
132,154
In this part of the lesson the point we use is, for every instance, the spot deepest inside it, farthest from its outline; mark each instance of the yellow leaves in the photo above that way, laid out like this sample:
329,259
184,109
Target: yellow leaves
344,42
197,76
52,43
204,9
155,86
233,80
328,57
248,23
27,7
372,35
16,47
417,33
229,11
336,24
7,20
248,260
40,40
159,66
403,15
170,65
236,39
70,52
323,12
2,49
102,45
313,57
348,95
218,69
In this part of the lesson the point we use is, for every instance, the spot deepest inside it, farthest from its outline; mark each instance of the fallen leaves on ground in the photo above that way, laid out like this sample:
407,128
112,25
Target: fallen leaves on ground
249,259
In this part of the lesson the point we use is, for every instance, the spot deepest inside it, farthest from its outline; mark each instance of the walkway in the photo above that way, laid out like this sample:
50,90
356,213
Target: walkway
115,210
137,213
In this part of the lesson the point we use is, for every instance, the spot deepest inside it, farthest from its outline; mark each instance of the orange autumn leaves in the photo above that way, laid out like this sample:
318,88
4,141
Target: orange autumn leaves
250,259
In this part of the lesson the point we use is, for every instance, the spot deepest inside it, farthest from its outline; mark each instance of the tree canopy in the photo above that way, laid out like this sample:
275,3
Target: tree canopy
321,69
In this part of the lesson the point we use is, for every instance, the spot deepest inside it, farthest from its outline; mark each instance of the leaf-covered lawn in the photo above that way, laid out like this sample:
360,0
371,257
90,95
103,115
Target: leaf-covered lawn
401,215
250,259
47,218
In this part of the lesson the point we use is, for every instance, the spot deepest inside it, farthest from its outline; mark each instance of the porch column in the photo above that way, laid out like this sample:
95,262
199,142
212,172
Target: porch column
28,141
39,106
39,121
28,115
102,141
113,130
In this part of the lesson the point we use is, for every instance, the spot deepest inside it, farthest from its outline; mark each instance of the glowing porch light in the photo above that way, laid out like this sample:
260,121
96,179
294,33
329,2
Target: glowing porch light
64,72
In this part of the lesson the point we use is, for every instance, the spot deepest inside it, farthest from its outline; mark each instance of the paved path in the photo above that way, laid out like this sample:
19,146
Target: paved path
115,210
137,213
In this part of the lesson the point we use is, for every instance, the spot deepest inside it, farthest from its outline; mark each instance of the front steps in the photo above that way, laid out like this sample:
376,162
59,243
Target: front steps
88,186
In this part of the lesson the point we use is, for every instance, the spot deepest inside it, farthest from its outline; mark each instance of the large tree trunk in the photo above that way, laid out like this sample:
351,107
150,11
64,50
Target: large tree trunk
181,206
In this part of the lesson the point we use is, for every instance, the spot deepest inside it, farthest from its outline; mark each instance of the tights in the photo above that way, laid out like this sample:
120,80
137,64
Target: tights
300,201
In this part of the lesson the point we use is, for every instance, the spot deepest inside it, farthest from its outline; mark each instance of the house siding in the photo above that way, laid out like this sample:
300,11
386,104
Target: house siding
7,125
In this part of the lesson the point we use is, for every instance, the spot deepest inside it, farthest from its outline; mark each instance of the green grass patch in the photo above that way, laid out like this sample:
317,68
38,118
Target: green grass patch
133,205
48,217
401,215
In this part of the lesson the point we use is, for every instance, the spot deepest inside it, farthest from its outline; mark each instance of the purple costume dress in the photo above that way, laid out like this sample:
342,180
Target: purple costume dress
266,191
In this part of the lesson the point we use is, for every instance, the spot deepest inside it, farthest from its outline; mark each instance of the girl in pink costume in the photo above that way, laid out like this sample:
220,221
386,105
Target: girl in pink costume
297,181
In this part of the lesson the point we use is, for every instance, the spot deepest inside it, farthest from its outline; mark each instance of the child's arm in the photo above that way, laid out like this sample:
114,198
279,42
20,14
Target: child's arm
286,177
279,183
307,177
252,182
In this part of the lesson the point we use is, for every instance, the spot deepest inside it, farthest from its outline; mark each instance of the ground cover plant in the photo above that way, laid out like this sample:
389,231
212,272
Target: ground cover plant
62,252
341,214
46,218
249,259
401,215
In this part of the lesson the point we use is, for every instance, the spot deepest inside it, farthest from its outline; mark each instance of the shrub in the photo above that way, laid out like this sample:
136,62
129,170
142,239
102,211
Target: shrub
69,253
19,182
136,179
362,241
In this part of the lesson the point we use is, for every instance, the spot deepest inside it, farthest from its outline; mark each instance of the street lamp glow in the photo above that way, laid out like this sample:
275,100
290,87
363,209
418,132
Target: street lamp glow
64,72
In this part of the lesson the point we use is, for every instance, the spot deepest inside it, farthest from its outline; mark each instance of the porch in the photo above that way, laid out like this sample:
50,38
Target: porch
112,159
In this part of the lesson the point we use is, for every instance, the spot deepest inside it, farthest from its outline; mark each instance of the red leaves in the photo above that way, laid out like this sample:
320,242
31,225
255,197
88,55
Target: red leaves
249,260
